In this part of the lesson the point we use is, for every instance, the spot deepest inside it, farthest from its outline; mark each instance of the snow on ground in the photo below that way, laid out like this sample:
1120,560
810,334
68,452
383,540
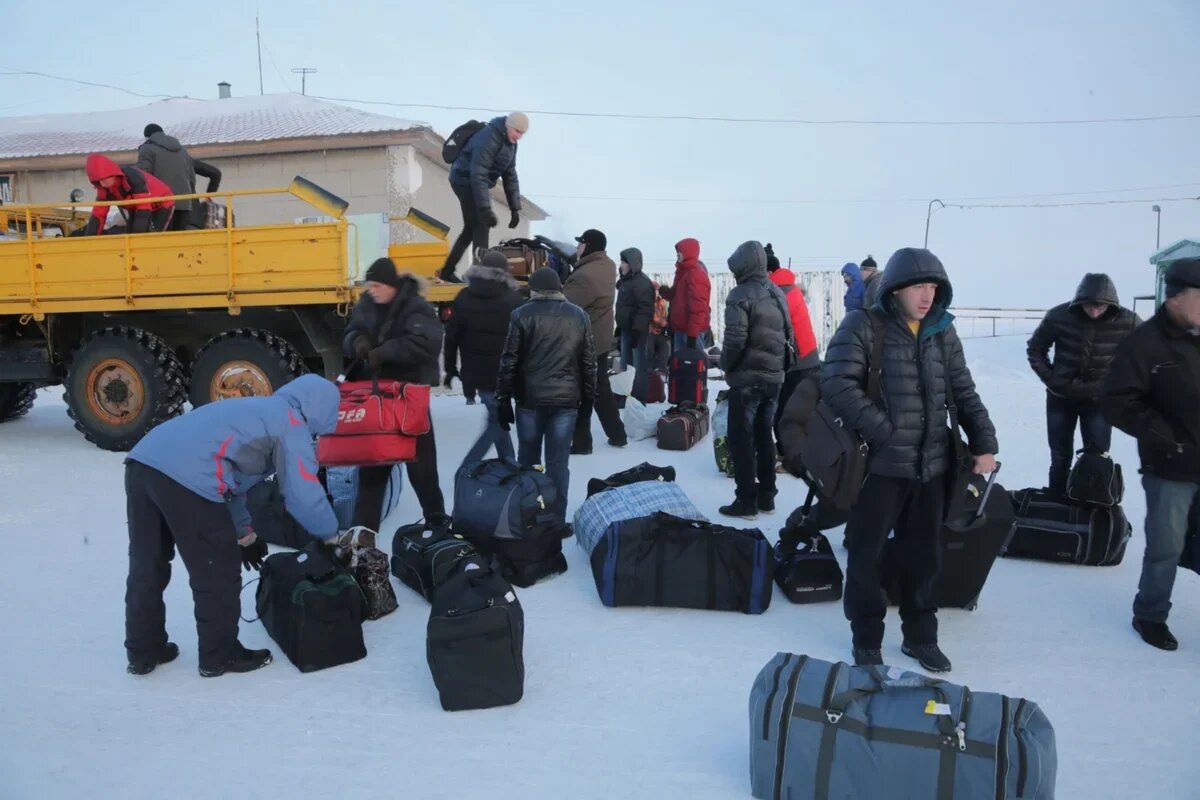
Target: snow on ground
635,703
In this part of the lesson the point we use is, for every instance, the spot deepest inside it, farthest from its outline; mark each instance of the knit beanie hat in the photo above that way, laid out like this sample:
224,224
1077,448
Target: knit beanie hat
494,259
869,263
545,280
152,129
772,261
383,271
518,121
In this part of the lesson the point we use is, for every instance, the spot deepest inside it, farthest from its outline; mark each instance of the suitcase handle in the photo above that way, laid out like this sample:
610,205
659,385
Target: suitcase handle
841,701
987,492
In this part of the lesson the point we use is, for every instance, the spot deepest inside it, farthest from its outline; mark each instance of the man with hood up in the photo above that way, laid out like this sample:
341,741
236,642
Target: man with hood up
185,486
113,182
910,448
1085,334
690,313
166,159
635,312
488,156
807,358
856,291
758,350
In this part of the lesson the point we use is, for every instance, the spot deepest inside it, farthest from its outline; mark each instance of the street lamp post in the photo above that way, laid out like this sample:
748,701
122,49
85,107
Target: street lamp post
928,215
1158,227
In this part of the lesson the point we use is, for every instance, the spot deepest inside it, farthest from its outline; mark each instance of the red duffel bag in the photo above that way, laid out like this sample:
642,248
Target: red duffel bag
378,423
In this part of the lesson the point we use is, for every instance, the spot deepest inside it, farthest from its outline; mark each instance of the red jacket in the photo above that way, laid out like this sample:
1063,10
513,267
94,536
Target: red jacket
690,295
806,340
133,184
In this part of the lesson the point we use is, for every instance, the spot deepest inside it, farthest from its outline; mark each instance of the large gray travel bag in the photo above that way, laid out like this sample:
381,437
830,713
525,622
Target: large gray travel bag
820,731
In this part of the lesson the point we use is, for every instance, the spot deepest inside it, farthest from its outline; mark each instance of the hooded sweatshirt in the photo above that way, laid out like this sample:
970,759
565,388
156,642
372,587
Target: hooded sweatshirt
758,330
690,313
133,183
806,340
856,292
222,449
635,297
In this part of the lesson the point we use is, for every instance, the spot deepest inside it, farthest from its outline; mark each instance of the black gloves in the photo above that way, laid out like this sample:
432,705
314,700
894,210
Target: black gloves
375,359
488,217
253,555
448,380
362,348
516,219
504,413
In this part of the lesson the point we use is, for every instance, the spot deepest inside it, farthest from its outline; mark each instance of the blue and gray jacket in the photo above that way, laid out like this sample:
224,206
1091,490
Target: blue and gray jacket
487,157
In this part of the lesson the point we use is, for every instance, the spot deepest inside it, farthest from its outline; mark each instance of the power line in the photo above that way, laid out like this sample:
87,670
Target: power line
771,120
1066,205
88,83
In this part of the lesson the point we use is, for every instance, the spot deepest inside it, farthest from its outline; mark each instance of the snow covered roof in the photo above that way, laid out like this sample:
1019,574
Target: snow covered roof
1184,248
193,122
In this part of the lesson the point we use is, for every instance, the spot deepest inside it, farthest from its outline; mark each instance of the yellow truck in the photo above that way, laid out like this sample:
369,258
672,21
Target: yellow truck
135,326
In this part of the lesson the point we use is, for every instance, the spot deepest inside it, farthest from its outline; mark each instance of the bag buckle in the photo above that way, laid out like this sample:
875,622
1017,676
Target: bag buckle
834,717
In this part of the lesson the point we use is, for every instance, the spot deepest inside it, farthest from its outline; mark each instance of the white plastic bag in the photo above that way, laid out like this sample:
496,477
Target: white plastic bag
622,382
641,420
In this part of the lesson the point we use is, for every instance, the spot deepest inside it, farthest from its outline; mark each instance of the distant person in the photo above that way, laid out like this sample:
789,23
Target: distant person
910,448
690,313
185,487
757,352
166,159
549,369
869,271
128,183
658,349
487,157
807,358
395,335
635,312
592,287
856,292
1085,334
475,332
1152,392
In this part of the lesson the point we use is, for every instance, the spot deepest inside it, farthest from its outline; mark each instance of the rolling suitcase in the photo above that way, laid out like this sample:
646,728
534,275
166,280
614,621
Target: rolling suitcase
424,557
1049,529
682,426
656,388
688,377
639,474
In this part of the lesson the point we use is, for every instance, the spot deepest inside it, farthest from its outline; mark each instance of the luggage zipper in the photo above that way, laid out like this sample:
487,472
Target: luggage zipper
785,719
1021,755
1002,752
771,697
455,612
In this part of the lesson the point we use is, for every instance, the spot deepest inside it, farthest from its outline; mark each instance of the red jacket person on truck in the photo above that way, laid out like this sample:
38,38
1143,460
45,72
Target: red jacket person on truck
114,182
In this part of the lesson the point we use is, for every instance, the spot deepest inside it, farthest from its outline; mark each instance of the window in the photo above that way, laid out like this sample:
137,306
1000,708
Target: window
6,188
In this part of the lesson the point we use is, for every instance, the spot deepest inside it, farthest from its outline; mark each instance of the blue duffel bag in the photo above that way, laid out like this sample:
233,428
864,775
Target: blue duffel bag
820,730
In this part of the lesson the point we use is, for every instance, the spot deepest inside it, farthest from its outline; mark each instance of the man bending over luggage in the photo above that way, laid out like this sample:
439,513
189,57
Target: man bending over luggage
549,368
185,487
1085,334
911,452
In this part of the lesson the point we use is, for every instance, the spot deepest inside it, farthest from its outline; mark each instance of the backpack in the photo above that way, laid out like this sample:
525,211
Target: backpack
454,145
658,325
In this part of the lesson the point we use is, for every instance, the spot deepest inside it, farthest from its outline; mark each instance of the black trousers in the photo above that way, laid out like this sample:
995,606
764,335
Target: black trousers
752,440
422,474
606,409
164,515
1062,415
914,511
188,219
474,231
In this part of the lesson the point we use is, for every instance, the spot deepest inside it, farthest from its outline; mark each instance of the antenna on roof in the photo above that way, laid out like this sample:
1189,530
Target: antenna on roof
304,72
258,36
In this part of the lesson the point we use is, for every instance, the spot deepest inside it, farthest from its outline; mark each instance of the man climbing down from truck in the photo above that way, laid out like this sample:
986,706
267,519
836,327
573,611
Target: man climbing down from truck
185,486
910,449
166,159
489,155
113,182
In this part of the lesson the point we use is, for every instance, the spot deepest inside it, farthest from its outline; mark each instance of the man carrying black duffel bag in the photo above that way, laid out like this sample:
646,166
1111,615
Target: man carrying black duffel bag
910,447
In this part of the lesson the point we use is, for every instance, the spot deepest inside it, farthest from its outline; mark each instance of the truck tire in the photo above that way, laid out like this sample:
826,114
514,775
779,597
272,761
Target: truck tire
120,384
243,363
15,400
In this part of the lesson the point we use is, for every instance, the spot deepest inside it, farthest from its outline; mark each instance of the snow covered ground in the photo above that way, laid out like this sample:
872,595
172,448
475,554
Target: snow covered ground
634,703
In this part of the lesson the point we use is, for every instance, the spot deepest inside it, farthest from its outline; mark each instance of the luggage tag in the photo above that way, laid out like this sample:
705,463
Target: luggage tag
935,708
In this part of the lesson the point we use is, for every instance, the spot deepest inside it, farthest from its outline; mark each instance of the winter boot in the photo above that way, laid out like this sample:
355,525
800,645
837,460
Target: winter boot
930,656
448,276
868,657
239,660
745,509
766,503
1156,634
144,666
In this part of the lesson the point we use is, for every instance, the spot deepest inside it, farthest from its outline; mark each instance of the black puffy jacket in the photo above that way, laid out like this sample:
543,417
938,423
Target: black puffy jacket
1083,347
1152,392
407,330
759,345
909,433
487,157
478,326
549,356
635,296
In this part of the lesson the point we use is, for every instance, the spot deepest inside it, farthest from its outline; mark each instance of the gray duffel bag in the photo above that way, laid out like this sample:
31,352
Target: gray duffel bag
820,731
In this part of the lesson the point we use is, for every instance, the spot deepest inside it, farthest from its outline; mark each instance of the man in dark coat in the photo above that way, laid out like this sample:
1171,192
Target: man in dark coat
395,335
759,349
1152,392
488,156
549,368
1084,334
869,271
910,447
592,287
166,159
635,310
477,329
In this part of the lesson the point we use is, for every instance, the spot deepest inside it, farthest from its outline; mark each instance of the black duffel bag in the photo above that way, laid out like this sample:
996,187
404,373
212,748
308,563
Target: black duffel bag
424,556
642,472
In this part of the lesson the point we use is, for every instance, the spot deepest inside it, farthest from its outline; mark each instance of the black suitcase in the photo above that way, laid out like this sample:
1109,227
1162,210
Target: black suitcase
1096,479
688,377
1049,529
679,428
642,472
423,557
808,572
665,561
312,608
475,639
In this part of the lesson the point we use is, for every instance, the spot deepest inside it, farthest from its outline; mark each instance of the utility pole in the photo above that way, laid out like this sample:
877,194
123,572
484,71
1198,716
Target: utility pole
304,72
928,214
1158,228
258,36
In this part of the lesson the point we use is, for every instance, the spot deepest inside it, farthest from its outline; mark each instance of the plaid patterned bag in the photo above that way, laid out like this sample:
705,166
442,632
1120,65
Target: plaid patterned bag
643,499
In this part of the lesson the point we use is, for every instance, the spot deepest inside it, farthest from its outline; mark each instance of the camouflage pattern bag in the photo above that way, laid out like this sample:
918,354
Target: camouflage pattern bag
370,568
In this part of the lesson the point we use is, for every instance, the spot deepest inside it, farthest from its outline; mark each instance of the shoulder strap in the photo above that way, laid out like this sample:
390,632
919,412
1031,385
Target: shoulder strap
960,451
875,363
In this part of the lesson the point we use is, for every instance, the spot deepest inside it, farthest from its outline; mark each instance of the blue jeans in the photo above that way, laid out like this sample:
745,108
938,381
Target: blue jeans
752,440
554,426
1171,510
492,434
679,342
635,357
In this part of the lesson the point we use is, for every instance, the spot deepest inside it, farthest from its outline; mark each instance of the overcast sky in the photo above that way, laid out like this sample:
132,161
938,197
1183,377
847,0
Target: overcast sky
822,194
